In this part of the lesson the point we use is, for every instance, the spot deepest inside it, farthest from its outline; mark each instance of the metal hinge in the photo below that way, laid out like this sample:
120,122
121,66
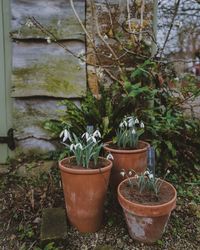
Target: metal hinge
9,139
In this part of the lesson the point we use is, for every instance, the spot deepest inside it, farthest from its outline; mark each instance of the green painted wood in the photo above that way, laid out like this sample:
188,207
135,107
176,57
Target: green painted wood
4,103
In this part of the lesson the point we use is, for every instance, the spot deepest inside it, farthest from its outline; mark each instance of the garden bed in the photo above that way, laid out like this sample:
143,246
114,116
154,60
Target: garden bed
22,199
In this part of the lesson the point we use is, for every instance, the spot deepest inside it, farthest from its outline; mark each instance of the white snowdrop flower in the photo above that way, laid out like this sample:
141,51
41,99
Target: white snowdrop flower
122,173
136,176
110,55
137,121
141,125
168,171
146,173
110,157
133,131
72,147
125,124
48,39
130,173
121,125
65,134
130,122
86,135
97,134
150,176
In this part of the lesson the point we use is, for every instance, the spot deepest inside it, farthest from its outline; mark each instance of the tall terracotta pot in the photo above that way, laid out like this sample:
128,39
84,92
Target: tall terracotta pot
84,192
135,159
146,223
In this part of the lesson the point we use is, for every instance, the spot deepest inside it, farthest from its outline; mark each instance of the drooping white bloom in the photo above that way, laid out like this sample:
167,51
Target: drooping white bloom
110,157
137,121
168,171
65,134
146,173
86,135
122,173
141,125
150,176
130,173
131,122
123,124
97,134
72,147
133,131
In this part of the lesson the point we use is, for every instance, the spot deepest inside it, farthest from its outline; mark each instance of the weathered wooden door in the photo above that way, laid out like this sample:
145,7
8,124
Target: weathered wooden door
5,72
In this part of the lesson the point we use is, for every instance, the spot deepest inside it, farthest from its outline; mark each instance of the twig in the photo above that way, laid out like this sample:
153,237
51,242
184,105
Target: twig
103,40
177,3
141,19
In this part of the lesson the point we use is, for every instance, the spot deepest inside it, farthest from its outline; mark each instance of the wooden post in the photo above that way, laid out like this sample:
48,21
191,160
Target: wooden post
5,74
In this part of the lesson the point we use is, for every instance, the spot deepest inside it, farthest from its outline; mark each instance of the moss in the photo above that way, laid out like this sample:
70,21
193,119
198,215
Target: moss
56,77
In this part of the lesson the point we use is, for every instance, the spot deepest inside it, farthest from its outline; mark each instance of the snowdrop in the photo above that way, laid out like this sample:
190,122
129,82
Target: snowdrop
66,135
97,134
110,157
128,134
85,149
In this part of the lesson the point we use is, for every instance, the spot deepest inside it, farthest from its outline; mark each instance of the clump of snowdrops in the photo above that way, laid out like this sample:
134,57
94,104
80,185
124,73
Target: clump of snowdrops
145,181
85,148
128,133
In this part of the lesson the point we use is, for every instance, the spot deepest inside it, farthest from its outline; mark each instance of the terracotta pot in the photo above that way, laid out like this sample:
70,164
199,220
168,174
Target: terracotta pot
146,223
135,159
84,192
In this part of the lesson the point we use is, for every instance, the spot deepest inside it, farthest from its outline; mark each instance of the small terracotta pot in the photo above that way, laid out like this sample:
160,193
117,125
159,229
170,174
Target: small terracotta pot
135,159
84,192
146,223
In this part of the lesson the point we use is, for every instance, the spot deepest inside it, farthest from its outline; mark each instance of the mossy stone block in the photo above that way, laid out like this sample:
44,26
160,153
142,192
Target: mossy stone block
54,225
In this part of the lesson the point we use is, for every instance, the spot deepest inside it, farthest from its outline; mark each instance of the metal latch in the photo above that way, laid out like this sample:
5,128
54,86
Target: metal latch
9,139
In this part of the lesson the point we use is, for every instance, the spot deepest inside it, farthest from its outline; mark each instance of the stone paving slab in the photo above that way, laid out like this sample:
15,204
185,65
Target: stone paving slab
54,225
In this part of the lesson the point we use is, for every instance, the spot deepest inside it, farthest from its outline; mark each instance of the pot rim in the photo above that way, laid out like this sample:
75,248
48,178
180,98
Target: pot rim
147,210
127,151
84,171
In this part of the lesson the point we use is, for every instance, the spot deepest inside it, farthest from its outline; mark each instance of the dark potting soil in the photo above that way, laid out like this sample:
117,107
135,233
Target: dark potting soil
73,164
147,197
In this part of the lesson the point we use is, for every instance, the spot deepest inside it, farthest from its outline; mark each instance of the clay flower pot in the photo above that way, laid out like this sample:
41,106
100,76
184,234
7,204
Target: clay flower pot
135,159
147,222
84,192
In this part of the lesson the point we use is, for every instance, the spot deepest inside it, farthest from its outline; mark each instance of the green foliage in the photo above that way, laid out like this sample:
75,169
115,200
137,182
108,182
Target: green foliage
103,113
145,181
174,135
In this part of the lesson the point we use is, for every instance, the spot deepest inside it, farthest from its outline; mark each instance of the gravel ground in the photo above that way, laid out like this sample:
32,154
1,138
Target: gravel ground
22,200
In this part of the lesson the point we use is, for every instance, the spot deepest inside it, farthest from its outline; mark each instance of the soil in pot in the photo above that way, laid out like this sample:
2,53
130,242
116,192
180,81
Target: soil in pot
146,197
